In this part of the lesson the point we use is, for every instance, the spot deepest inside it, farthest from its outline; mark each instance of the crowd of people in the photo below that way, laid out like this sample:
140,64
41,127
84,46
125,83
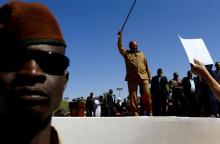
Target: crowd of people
190,96
106,106
33,77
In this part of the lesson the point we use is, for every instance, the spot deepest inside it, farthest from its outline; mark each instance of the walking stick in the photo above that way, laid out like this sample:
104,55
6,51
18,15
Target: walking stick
128,16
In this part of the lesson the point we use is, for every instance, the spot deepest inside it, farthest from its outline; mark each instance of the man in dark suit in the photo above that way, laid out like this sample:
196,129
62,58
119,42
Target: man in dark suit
189,91
110,102
159,93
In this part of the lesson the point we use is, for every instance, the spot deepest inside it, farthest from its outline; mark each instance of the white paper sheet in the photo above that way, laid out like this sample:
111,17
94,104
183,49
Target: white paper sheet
196,49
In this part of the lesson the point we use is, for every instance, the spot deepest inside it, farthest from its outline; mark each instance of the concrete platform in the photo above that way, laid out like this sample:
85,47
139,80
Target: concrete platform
138,130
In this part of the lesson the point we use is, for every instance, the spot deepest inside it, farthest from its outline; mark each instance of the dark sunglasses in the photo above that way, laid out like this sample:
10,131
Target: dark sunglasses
50,62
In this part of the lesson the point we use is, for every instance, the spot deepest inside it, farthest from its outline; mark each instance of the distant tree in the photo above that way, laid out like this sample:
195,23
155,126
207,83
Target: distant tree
64,107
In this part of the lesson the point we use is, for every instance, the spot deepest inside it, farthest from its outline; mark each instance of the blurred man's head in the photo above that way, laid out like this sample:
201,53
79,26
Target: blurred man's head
175,75
33,65
133,46
159,72
91,94
217,65
189,74
110,91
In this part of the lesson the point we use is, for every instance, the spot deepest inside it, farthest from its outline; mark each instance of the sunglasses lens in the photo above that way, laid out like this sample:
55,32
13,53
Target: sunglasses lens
51,63
10,63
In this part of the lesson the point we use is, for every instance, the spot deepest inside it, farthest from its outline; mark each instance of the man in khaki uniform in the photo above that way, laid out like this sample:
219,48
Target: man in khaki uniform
138,74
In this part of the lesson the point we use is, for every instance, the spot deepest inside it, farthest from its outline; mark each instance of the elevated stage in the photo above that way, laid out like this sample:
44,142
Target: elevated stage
138,130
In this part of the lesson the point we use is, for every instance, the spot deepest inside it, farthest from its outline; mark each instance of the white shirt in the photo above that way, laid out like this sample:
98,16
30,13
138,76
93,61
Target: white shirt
193,87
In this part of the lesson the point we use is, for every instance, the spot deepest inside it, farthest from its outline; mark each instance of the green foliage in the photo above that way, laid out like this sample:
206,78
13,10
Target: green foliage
64,106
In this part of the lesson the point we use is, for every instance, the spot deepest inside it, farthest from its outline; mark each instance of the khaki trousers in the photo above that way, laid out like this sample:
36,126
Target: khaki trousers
144,92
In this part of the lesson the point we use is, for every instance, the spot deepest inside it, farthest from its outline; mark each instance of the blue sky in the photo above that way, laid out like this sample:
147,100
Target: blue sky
90,28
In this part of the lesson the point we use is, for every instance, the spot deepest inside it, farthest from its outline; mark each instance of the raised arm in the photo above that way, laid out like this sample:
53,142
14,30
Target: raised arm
200,70
120,47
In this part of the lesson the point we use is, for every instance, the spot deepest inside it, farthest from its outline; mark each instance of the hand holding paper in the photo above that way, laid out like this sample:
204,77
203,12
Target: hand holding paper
196,49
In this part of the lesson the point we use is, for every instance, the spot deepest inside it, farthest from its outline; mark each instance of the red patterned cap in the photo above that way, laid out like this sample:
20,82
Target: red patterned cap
29,23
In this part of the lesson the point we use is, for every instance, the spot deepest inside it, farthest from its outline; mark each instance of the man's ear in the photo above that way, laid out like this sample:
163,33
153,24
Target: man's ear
66,74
